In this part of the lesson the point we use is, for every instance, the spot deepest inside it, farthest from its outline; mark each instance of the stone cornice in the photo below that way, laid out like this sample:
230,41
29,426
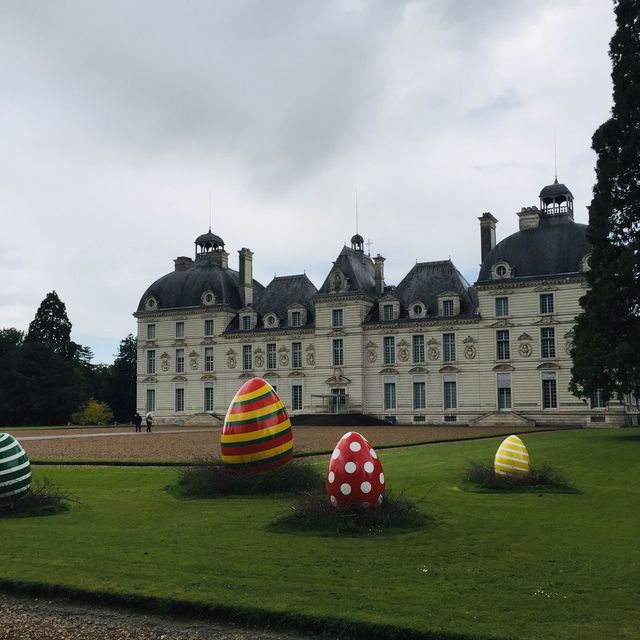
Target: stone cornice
152,314
392,327
548,282
256,334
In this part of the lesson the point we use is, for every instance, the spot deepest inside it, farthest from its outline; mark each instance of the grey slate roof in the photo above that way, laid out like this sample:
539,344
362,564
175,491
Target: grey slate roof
358,268
184,288
555,189
284,291
557,246
427,280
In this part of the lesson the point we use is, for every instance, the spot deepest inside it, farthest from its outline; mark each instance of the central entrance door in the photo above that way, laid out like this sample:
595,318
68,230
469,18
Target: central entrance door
338,401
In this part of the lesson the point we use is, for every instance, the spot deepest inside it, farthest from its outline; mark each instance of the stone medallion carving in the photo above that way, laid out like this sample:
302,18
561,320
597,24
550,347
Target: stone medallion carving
284,360
259,360
165,361
372,356
311,359
403,354
193,359
231,359
469,352
525,349
434,353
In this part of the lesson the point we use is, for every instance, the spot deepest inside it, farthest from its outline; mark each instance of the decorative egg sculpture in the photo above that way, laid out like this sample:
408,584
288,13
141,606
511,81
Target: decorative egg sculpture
15,469
355,473
512,458
257,431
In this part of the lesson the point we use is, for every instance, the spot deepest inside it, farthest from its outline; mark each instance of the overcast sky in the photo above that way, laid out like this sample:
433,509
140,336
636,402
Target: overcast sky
117,119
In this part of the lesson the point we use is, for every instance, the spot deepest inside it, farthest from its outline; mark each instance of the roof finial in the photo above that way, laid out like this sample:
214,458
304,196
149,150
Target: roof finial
369,243
555,157
209,209
356,211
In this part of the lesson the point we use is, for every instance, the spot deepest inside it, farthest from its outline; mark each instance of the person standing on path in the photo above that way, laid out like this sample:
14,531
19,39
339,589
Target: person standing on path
137,420
149,422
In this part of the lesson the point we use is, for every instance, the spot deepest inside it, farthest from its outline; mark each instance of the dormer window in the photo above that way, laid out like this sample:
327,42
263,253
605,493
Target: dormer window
447,307
297,315
387,311
208,298
270,320
296,318
448,304
501,270
417,310
150,303
246,323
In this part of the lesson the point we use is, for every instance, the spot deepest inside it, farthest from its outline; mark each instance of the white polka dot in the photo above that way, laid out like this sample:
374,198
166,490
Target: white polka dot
365,487
380,499
350,467
368,467
374,455
382,478
331,477
346,435
355,446
334,502
336,454
345,489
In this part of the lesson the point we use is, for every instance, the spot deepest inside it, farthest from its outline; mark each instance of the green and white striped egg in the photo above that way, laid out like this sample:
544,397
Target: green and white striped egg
15,468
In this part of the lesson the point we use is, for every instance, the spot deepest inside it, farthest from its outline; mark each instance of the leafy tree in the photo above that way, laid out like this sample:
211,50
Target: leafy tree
93,412
10,339
607,334
124,379
52,327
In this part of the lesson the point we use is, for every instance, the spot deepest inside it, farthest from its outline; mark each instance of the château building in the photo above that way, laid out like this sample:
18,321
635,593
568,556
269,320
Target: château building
432,349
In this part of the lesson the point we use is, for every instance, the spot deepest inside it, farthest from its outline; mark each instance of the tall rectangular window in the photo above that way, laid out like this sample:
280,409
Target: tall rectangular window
208,396
151,332
450,391
338,352
246,357
296,397
389,392
151,361
447,307
598,399
151,399
271,355
549,391
246,323
419,392
449,347
179,404
502,307
546,303
208,327
503,350
296,355
503,381
179,329
337,318
296,318
387,310
548,342
208,359
418,348
389,349
179,360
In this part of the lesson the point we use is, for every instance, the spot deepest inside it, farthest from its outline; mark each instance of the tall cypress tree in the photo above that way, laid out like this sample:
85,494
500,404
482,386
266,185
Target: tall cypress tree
51,326
606,353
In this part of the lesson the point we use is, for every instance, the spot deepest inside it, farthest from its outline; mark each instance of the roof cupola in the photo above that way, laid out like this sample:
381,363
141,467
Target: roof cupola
210,248
556,199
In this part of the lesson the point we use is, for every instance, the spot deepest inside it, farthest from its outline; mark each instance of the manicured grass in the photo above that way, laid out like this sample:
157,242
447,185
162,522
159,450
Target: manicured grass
524,565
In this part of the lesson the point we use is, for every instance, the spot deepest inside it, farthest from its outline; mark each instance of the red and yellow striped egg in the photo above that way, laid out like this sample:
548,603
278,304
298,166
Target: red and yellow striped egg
257,431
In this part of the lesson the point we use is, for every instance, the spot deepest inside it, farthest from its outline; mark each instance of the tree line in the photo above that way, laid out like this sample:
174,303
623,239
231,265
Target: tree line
47,379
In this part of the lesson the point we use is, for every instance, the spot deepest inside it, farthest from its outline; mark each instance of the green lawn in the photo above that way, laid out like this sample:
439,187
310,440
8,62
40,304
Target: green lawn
525,565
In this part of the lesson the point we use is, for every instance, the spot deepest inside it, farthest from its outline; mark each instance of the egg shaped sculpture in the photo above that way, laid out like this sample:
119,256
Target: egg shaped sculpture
512,458
355,473
257,431
15,469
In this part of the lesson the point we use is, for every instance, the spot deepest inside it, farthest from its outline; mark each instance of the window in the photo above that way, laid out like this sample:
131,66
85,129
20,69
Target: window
179,329
151,361
151,332
271,355
296,397
503,381
450,391
389,392
546,303
208,327
417,310
598,399
337,318
151,399
389,349
387,311
208,359
501,271
338,352
419,392
246,323
503,352
179,360
549,393
296,318
208,396
502,307
179,404
246,356
548,342
418,348
296,355
447,307
449,347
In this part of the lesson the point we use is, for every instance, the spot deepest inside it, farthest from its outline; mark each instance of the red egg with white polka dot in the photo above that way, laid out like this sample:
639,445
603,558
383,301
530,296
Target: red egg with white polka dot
355,473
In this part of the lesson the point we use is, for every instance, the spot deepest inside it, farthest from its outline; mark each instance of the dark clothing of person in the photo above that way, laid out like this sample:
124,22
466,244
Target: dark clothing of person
149,423
137,420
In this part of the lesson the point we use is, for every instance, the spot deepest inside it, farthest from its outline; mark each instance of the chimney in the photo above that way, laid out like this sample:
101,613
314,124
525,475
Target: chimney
487,234
182,262
529,218
379,273
246,276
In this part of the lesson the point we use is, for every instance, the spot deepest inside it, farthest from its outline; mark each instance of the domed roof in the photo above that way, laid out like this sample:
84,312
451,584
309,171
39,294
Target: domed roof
557,246
357,239
185,288
210,239
555,189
